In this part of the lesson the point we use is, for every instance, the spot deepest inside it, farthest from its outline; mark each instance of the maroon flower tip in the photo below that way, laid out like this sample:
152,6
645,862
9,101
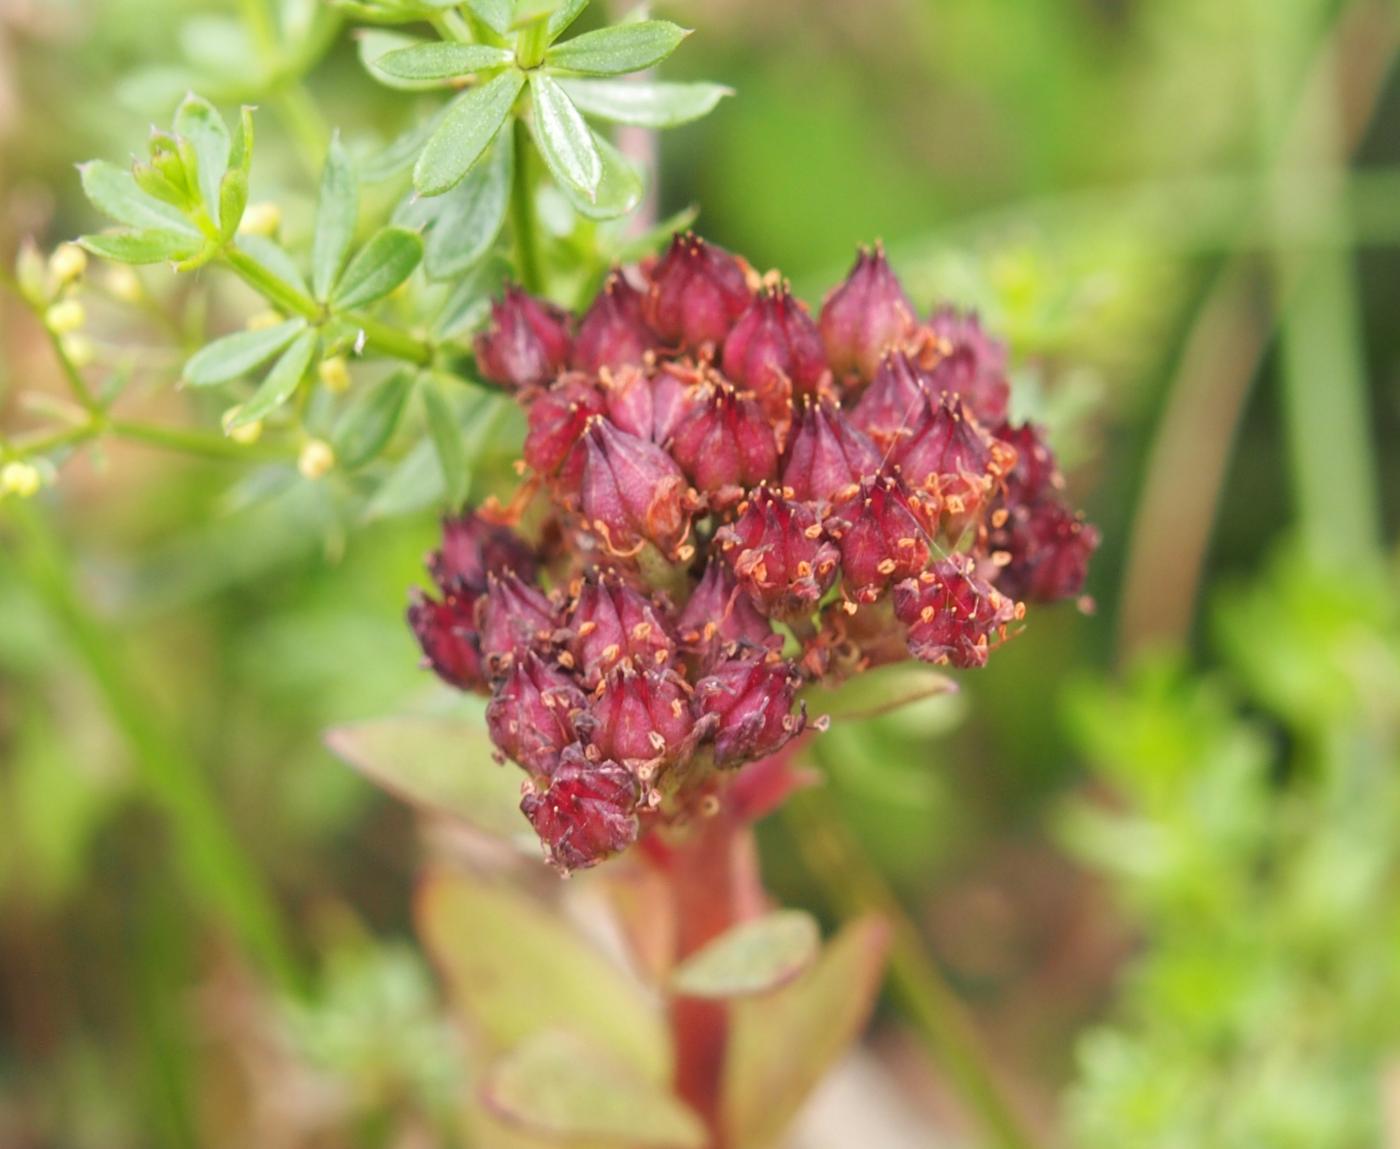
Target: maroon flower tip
780,554
949,456
865,315
527,343
632,492
556,421
827,457
718,616
613,332
775,350
641,719
882,539
609,624
446,632
1043,549
896,395
515,617
725,444
534,714
750,697
696,293
951,614
472,547
972,365
588,813
1036,475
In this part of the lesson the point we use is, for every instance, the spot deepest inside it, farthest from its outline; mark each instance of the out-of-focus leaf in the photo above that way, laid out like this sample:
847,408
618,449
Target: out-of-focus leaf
336,211
281,382
441,61
440,765
143,246
516,969
563,1087
562,18
471,215
469,303
656,105
449,443
240,152
237,354
619,189
633,249
621,48
752,958
273,256
114,193
373,44
221,45
233,199
782,1044
401,154
495,14
370,420
199,122
464,133
378,268
879,691
415,483
565,140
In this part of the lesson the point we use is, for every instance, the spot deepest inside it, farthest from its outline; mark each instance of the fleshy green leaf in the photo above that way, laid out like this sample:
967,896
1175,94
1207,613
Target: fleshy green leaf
471,215
235,355
515,969
439,765
378,268
149,245
752,958
560,1086
619,189
373,44
336,212
565,141
113,191
563,17
370,420
442,61
199,122
782,1044
646,105
466,130
448,442
621,48
879,691
281,382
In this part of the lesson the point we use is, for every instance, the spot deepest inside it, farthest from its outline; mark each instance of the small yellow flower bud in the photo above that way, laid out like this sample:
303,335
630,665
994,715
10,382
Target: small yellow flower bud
78,349
316,459
66,317
247,434
263,320
125,284
261,219
20,479
67,263
335,374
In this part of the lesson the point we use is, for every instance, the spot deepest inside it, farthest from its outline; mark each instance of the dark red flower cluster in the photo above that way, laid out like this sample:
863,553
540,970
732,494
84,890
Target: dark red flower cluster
727,499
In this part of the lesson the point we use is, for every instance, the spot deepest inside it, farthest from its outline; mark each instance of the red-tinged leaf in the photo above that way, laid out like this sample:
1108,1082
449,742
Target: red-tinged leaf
753,958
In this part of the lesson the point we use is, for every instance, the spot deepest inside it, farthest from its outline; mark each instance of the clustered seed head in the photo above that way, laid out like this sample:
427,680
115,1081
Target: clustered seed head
725,501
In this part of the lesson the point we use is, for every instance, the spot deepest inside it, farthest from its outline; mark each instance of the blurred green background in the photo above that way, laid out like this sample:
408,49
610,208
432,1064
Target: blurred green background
1154,844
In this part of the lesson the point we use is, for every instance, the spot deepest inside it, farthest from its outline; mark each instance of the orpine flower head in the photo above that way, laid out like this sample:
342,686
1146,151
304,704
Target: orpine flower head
446,631
780,554
949,456
827,457
610,623
471,548
535,713
557,419
775,350
588,813
632,492
865,316
951,614
1044,549
750,696
719,615
641,719
725,444
882,539
514,616
697,291
527,343
613,332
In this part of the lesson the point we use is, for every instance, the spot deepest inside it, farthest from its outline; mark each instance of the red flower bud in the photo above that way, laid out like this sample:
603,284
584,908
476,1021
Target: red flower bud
780,554
949,456
881,537
675,392
865,315
1036,474
1044,548
827,458
534,714
515,617
527,343
718,615
775,350
447,633
750,697
588,813
697,291
725,445
610,623
973,364
632,491
894,398
641,719
472,547
557,419
951,614
613,332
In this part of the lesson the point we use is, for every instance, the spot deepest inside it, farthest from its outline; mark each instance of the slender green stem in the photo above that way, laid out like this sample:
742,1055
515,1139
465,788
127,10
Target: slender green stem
81,391
836,859
198,443
522,214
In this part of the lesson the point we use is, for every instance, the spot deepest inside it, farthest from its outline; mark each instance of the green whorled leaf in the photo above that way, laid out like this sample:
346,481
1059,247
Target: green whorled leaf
275,258
336,212
441,61
114,192
280,385
879,691
143,245
498,15
516,969
235,355
464,133
469,303
198,122
565,141
562,18
240,153
619,189
233,201
782,1044
386,261
648,105
370,420
439,765
752,958
373,44
448,442
619,49
563,1087
471,215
